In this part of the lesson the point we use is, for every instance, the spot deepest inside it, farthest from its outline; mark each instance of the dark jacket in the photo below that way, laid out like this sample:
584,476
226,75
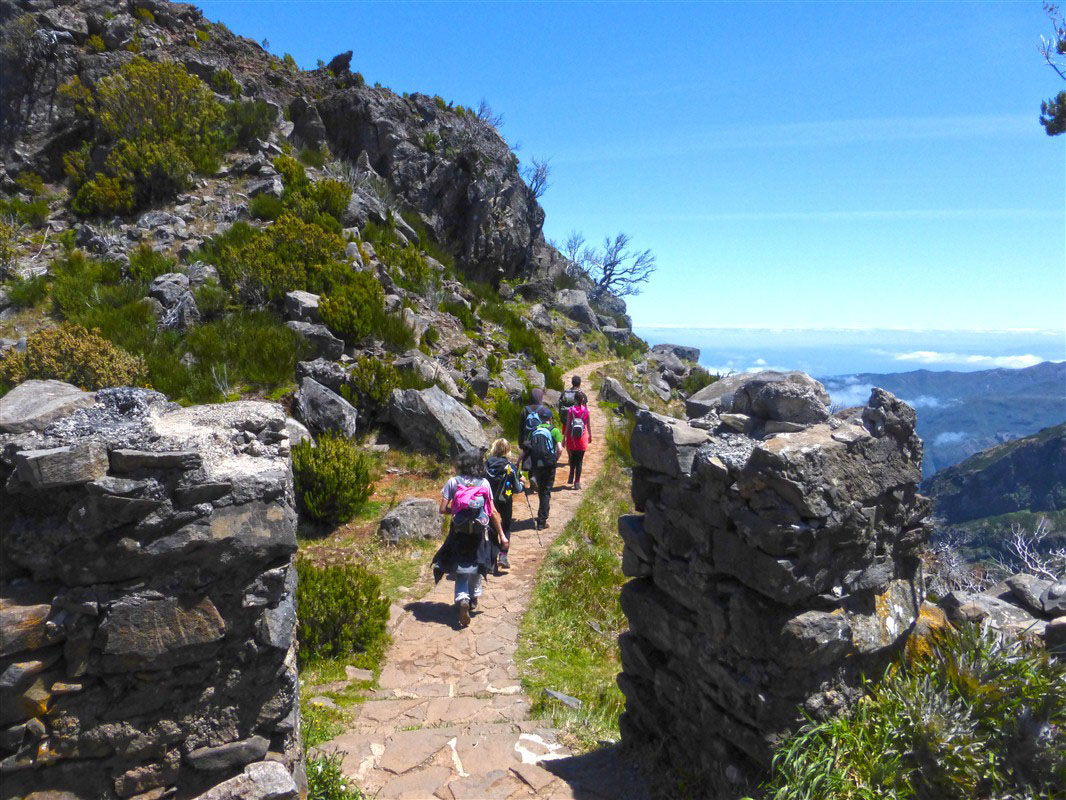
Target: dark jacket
464,548
503,478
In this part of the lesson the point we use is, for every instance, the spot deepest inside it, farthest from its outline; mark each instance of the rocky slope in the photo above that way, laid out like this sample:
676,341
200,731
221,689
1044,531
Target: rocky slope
1026,474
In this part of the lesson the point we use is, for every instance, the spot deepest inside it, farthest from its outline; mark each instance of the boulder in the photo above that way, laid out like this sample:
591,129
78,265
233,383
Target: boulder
1028,590
1053,600
782,396
431,420
666,361
326,345
665,444
414,518
428,370
619,335
183,314
575,304
681,351
261,780
307,122
302,307
322,410
613,392
169,287
340,63
330,374
31,405
985,609
231,754
62,466
540,317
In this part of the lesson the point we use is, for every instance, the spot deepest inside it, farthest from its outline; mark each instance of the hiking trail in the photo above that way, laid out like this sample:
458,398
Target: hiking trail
450,720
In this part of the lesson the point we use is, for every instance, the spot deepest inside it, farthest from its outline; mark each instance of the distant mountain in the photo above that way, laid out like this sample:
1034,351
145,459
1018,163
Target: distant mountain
1027,474
962,413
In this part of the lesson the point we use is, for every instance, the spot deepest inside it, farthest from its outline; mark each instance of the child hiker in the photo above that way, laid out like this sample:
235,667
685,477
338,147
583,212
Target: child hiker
505,483
467,551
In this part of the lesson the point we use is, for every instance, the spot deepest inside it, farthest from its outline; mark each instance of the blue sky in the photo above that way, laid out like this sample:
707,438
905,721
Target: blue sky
871,165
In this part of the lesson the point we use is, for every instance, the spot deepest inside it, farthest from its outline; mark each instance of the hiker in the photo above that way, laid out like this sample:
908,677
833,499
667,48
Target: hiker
467,550
528,421
545,447
505,482
577,426
568,399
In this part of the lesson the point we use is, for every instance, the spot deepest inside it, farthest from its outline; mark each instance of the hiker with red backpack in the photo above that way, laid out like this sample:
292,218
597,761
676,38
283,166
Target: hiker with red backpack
467,551
577,429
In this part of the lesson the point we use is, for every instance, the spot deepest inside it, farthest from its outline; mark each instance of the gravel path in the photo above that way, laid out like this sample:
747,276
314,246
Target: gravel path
450,720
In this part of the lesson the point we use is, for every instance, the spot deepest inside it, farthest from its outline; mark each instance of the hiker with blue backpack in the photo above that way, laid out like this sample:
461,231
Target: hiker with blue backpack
577,425
468,551
545,448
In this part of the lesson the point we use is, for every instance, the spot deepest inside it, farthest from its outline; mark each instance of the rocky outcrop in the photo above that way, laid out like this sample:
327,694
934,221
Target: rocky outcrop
770,570
147,600
431,420
1022,606
684,352
414,518
324,411
32,405
612,391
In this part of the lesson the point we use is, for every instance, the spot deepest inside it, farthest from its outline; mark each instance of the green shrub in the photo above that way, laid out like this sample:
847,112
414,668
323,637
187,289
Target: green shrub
355,310
33,212
28,292
332,478
159,124
332,197
211,301
8,248
617,437
508,412
341,611
266,206
313,156
223,82
970,715
31,183
697,379
326,781
461,313
146,263
372,381
95,44
249,120
144,15
395,333
290,254
75,355
431,336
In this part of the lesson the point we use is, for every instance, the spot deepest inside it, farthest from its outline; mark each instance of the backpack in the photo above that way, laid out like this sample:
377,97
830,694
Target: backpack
469,514
567,400
542,445
577,426
530,422
503,479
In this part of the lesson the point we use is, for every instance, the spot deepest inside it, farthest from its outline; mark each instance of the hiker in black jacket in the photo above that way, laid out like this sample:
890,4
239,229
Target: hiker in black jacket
505,482
528,421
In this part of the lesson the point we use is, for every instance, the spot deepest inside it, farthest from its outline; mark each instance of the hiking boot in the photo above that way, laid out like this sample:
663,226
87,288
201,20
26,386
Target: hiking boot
473,604
541,526
464,613
504,563
577,485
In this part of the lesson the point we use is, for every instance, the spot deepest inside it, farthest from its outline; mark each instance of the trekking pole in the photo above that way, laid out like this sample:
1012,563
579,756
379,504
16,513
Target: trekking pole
533,518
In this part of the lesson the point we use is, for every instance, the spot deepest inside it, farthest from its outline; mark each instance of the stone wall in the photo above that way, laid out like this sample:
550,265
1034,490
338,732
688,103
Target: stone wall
773,565
147,597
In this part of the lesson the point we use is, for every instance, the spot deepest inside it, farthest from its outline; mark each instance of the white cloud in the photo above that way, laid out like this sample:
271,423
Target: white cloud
936,357
925,401
950,437
851,393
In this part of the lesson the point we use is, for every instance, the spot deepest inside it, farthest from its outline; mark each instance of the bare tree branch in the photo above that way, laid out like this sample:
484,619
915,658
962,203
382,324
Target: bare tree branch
487,115
536,176
617,269
572,249
1033,553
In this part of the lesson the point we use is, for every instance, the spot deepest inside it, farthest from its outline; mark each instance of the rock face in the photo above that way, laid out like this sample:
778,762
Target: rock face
782,396
684,352
323,410
147,600
769,570
33,404
413,518
613,392
431,420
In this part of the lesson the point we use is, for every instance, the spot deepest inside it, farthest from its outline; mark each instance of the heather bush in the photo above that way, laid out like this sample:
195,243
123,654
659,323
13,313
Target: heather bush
355,310
333,478
75,355
250,120
223,82
697,379
146,263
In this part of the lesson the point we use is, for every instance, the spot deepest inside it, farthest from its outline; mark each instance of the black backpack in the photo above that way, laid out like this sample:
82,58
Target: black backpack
542,446
503,479
566,400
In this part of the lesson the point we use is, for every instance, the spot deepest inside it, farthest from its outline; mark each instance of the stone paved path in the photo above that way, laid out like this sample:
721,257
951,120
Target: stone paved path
450,720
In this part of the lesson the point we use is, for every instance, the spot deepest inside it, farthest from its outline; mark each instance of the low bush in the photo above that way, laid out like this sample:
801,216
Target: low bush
146,263
30,182
211,301
354,311
75,355
618,434
33,212
95,44
223,82
372,381
266,206
326,781
971,714
697,379
28,292
313,156
508,412
341,611
249,120
461,313
333,478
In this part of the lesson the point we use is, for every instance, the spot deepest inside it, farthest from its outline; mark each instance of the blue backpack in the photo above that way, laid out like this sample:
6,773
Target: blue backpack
542,446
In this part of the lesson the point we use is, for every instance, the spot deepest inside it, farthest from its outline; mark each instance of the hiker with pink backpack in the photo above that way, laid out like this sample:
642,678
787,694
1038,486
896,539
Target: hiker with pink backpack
468,552
577,434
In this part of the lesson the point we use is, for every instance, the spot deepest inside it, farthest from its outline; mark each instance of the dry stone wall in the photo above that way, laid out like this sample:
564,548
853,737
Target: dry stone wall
773,565
148,597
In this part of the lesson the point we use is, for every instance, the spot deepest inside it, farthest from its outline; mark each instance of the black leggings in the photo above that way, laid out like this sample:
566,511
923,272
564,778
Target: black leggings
576,457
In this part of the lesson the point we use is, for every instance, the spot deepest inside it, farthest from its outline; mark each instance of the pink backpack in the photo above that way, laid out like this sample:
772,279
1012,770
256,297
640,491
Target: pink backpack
468,507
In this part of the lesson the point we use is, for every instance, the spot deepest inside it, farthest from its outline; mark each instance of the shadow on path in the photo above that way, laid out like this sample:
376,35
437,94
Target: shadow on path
437,613
604,774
